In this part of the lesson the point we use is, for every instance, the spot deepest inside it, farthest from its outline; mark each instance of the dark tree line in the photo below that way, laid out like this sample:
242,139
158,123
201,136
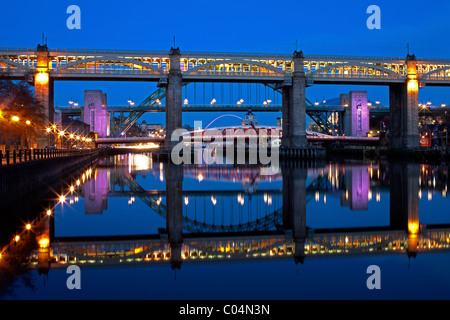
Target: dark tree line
22,117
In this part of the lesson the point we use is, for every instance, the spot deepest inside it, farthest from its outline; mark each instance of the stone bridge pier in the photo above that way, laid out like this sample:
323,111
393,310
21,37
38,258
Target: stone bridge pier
404,109
44,93
294,107
294,206
174,213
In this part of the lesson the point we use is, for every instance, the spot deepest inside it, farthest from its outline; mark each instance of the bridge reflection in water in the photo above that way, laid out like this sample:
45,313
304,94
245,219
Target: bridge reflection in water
275,231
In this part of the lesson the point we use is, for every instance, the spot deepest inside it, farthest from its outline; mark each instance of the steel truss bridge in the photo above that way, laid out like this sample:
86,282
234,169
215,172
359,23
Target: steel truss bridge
274,70
144,65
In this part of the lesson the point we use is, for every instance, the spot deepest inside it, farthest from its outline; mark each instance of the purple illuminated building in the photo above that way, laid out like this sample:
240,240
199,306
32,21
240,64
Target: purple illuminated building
94,112
356,116
357,184
96,193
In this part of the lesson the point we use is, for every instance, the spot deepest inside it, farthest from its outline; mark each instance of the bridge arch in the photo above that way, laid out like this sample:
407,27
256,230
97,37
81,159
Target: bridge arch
14,64
232,61
426,76
355,64
114,59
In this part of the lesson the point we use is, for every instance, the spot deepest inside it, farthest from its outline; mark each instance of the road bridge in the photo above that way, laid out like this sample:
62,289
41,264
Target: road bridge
290,73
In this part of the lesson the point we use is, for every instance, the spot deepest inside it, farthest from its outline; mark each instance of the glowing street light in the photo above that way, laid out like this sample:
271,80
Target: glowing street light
42,77
28,122
15,118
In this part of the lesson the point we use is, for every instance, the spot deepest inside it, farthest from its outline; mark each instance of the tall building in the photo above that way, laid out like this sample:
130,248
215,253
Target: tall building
94,112
356,116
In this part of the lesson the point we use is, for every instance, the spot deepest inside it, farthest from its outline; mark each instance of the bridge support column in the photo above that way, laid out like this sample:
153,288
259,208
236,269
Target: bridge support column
174,212
174,98
44,92
294,207
404,205
404,109
294,107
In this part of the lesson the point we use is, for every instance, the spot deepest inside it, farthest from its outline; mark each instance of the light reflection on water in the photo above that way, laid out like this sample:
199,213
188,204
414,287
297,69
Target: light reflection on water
133,209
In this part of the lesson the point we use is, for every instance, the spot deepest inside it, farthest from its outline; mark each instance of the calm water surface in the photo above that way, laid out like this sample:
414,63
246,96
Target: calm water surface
141,229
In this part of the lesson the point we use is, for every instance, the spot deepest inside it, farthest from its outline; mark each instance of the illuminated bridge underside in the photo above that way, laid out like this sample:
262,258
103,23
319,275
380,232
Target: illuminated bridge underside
214,249
95,64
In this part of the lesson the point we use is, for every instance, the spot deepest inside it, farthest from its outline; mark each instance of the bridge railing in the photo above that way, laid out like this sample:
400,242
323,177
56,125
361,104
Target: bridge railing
18,156
235,73
158,53
101,70
354,76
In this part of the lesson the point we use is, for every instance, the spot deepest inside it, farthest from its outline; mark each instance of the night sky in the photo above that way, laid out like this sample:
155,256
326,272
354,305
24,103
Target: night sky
319,27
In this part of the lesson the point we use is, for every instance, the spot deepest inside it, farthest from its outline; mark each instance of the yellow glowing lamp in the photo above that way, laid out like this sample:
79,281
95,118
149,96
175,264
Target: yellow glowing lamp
42,77
28,226
44,242
49,212
17,238
28,122
413,227
15,118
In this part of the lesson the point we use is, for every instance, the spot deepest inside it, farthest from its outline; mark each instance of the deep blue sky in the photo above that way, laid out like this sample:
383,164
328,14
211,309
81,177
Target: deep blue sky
320,27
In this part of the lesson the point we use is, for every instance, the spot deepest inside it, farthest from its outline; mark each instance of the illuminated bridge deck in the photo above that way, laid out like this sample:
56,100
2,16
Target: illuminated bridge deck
152,65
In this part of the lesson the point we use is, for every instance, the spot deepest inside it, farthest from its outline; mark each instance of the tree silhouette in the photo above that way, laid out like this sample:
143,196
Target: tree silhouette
17,100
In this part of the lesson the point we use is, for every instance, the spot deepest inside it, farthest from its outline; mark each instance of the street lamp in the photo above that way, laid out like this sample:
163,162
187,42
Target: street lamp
15,118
